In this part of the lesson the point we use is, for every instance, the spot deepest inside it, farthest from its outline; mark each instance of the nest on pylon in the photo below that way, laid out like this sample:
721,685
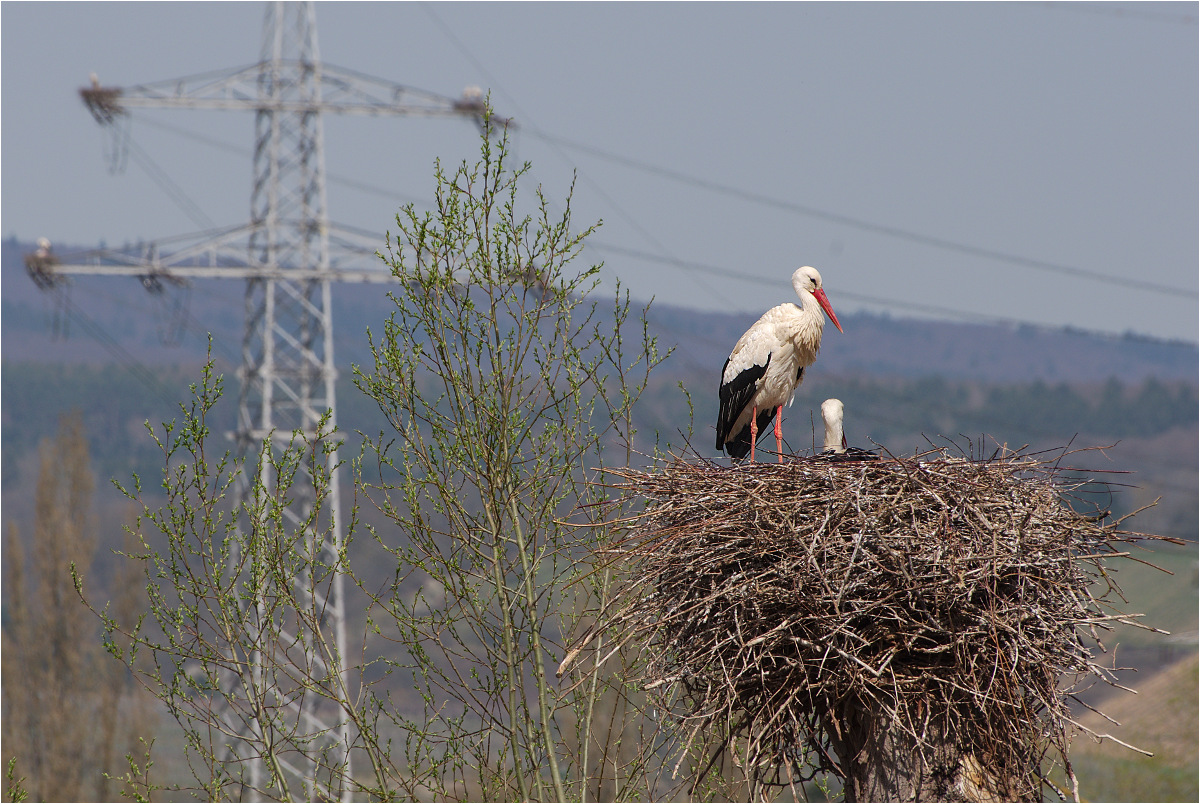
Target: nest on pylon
954,599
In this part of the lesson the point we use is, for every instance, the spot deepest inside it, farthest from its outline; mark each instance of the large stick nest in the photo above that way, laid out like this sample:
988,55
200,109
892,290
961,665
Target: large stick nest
795,615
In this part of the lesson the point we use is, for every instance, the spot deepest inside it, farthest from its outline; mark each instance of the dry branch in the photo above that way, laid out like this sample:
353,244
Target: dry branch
913,627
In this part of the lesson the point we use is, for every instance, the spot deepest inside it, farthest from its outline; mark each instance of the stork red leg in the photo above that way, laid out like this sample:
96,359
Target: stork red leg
779,431
753,432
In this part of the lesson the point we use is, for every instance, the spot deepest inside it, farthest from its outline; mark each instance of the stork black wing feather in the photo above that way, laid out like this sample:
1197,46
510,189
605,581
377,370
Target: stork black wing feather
735,395
851,454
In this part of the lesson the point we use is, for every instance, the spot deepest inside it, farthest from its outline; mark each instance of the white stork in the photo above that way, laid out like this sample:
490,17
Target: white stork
767,365
835,437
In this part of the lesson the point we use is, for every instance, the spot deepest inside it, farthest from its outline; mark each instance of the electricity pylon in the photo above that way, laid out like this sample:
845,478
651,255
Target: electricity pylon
289,254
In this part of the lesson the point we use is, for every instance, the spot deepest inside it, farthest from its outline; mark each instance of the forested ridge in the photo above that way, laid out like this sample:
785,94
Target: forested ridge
115,402
1153,423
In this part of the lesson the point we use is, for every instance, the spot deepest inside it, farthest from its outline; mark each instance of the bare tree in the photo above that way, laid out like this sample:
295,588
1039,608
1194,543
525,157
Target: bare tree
504,384
509,389
65,705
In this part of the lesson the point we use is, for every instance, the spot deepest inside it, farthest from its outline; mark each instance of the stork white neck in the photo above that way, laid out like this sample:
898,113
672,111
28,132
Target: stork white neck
806,281
831,414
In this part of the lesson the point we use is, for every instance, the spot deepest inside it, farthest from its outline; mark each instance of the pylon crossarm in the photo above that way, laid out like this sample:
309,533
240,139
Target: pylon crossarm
343,91
226,272
222,254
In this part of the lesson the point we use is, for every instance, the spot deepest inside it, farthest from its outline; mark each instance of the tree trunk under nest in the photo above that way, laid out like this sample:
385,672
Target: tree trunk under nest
886,761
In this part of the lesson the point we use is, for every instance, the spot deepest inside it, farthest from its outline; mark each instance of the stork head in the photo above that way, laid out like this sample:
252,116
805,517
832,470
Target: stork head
806,280
831,415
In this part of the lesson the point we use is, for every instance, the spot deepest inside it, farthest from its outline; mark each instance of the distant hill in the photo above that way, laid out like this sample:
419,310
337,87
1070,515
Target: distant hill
1161,719
41,327
892,347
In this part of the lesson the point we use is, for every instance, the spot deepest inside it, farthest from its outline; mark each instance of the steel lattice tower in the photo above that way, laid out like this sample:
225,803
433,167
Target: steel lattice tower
288,371
289,254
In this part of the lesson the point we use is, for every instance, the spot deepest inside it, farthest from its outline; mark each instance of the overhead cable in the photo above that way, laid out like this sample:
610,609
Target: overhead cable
888,303
865,225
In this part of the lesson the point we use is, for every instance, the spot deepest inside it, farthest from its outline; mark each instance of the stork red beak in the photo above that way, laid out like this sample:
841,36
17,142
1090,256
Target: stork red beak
823,300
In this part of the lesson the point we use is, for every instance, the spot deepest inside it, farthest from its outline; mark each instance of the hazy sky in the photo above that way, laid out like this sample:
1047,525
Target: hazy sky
1032,162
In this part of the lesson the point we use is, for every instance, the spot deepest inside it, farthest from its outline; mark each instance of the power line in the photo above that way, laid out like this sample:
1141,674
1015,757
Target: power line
191,135
759,198
123,356
801,209
865,225
753,197
890,303
333,178
630,219
663,256
160,177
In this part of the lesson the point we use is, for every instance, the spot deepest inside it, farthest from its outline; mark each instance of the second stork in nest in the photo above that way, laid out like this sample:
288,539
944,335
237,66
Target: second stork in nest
835,437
